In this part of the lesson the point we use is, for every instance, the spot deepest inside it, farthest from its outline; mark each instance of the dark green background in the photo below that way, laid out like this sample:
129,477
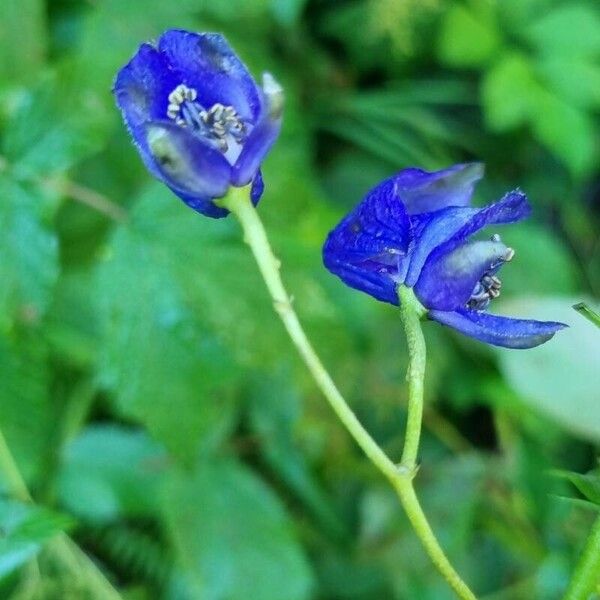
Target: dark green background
147,389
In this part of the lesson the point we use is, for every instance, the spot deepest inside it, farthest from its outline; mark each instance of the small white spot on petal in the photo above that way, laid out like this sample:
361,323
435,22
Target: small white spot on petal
274,95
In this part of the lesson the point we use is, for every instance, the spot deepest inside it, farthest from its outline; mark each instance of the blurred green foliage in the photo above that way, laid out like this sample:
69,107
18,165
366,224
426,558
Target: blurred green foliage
148,392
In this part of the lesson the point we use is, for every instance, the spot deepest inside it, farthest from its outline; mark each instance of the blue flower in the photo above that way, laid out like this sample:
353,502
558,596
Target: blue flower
415,229
197,117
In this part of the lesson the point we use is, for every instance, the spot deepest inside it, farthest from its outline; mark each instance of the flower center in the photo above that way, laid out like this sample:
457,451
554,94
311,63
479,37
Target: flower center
219,123
488,287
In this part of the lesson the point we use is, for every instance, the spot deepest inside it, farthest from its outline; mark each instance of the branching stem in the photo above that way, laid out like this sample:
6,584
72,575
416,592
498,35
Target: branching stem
400,476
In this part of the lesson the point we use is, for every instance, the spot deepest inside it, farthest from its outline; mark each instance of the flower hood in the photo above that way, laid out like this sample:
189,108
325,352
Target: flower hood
415,229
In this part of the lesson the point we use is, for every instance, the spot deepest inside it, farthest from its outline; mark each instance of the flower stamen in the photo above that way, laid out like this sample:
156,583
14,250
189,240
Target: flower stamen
488,287
220,123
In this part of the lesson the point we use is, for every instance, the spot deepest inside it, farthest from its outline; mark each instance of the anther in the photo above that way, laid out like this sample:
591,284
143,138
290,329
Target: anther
510,253
486,289
172,111
220,124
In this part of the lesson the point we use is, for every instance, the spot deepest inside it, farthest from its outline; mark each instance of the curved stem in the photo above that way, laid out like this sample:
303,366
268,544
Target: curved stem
238,202
420,524
586,577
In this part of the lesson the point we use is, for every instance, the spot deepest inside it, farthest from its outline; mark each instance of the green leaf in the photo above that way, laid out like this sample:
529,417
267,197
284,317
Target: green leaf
53,127
26,416
71,324
183,311
156,357
22,38
28,255
572,29
413,122
232,535
576,80
568,131
588,484
561,377
274,414
109,472
509,91
517,15
468,38
513,96
24,529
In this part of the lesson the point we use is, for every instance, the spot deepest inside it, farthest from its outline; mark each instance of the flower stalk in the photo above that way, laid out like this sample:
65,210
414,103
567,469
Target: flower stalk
411,312
238,202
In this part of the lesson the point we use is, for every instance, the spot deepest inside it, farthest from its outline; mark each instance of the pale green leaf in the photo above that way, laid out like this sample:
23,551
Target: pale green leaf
560,378
109,472
232,535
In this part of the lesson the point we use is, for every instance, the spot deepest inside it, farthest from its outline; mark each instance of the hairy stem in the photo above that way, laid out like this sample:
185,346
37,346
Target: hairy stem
586,576
400,477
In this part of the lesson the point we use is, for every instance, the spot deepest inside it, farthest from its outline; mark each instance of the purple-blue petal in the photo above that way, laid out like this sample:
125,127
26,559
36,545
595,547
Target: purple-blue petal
188,164
440,232
202,205
368,248
263,135
360,277
207,63
422,191
142,88
255,148
257,188
377,226
498,330
448,282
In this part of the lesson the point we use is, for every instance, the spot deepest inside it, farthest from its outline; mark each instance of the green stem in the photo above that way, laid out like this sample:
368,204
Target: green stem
411,312
586,577
238,202
61,547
